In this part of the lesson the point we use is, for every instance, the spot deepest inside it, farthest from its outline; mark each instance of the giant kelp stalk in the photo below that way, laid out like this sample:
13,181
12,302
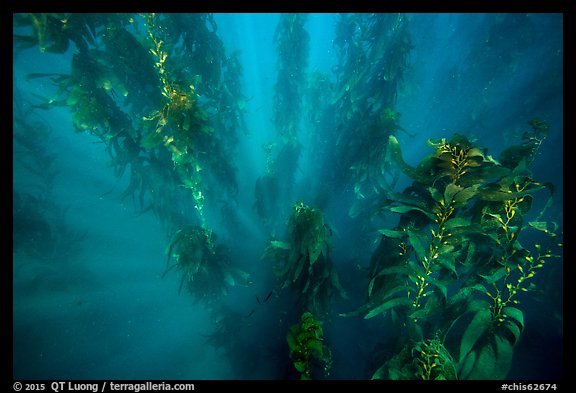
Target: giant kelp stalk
304,264
199,58
455,261
372,52
305,268
292,45
180,125
134,84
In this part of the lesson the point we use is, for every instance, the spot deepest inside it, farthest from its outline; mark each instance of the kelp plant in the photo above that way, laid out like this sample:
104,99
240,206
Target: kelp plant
304,266
129,87
307,349
204,264
40,228
453,268
372,54
292,45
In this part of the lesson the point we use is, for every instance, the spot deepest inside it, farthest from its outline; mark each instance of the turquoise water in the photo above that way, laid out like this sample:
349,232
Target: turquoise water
91,295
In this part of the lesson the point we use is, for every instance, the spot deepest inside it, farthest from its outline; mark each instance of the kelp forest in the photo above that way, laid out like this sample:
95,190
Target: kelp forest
287,196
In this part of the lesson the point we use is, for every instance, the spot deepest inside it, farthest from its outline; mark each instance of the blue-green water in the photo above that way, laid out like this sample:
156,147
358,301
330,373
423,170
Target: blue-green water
90,298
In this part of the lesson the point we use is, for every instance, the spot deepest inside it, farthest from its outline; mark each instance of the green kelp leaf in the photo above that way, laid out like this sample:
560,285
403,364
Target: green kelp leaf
415,269
244,276
549,201
229,279
309,324
478,326
448,249
405,270
464,296
291,338
414,239
279,244
493,195
515,330
438,284
504,352
493,360
300,262
336,283
526,205
391,233
371,284
515,314
356,208
466,365
314,251
359,311
315,345
383,272
544,226
478,287
357,191
308,282
474,152
459,305
492,236
152,140
388,305
436,195
411,196
470,253
514,156
387,294
396,154
402,209
449,192
435,142
421,313
475,162
462,197
186,122
300,366
456,223
448,260
496,275
494,172
515,321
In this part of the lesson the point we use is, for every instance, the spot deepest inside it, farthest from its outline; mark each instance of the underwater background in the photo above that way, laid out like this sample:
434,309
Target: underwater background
224,196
